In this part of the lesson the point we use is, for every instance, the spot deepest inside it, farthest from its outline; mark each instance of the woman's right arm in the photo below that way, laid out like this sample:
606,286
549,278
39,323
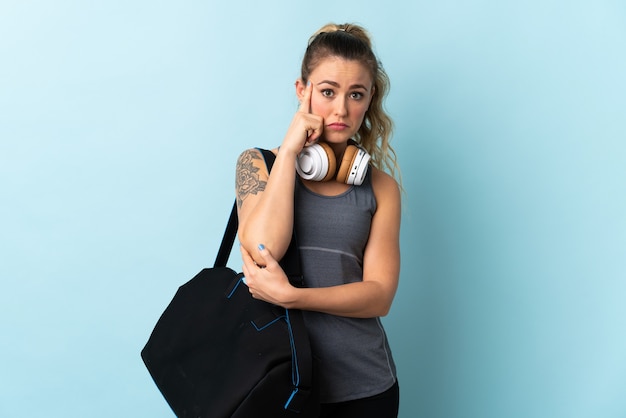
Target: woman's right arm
265,201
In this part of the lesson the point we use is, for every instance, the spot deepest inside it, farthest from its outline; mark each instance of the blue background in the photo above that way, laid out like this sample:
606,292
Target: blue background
120,125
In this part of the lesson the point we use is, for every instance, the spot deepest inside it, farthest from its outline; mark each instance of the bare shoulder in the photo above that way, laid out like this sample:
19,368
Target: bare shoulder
386,188
252,174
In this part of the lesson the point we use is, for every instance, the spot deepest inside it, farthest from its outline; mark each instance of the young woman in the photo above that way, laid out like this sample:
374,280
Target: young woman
348,234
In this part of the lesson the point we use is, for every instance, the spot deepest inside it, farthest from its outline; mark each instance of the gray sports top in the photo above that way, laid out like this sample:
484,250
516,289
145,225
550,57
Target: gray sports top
352,354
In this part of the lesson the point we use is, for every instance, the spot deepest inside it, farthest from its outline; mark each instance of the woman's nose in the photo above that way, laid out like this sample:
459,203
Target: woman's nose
341,107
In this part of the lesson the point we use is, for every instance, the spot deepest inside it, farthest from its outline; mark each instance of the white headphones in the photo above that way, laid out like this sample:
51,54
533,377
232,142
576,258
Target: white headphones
317,163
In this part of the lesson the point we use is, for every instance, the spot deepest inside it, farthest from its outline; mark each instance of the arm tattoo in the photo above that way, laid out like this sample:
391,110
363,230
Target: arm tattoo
247,181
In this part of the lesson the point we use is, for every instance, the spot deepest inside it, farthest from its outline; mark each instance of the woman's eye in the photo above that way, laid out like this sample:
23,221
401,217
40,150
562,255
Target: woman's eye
357,95
327,93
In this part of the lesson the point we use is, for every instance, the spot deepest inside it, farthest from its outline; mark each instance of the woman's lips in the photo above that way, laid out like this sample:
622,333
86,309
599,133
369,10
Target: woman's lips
338,126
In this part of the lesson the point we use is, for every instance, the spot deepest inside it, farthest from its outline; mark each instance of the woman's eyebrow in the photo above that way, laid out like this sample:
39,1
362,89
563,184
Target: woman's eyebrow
335,84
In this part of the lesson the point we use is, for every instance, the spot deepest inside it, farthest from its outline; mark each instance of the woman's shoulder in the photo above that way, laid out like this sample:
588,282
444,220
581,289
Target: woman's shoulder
253,157
252,153
388,197
383,181
386,189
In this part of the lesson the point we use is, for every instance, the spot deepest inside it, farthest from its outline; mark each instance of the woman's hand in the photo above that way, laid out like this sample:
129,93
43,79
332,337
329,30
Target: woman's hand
268,282
306,128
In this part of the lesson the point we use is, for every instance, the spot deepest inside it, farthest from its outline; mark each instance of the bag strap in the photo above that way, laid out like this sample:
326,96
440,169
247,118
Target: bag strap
228,239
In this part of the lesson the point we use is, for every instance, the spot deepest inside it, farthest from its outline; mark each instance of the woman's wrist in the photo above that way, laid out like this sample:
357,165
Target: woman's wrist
290,300
286,152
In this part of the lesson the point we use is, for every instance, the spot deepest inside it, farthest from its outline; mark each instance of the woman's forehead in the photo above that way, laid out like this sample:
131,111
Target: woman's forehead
340,71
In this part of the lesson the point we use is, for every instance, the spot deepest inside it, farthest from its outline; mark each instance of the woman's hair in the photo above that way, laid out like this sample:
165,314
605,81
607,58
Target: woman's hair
352,42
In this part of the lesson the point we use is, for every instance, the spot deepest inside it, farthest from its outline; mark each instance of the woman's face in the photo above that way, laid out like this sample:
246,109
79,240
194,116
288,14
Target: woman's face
342,91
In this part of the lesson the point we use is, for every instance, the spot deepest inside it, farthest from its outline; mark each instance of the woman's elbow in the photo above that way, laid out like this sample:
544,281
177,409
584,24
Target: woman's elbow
378,308
251,244
383,309
385,300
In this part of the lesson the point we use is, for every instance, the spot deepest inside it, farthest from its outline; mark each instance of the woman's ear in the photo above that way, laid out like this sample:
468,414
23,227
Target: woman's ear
300,86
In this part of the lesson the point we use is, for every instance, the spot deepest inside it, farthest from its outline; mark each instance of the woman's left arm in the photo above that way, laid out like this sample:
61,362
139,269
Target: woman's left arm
381,268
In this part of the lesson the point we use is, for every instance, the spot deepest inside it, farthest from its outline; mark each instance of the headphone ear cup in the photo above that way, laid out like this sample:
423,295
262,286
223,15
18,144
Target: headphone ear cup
353,166
346,163
332,162
316,162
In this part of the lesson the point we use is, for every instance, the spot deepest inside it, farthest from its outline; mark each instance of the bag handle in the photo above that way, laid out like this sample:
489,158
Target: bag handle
228,239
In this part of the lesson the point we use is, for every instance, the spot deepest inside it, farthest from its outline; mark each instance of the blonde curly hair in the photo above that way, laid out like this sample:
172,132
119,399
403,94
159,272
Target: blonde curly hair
353,42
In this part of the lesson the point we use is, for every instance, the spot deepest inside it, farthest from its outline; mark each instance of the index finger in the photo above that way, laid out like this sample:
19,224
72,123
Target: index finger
305,104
